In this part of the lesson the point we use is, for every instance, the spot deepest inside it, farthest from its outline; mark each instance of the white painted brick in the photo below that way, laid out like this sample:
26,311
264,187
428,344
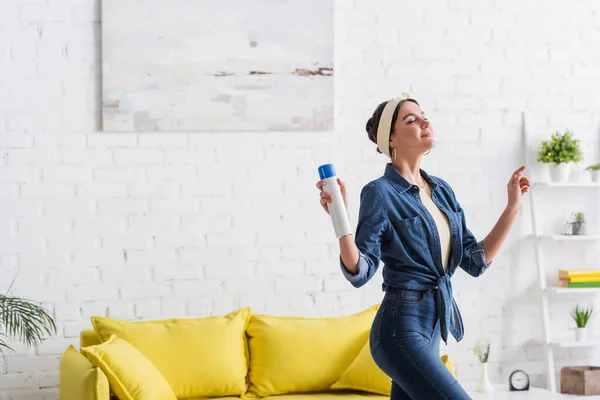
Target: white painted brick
200,307
101,190
31,364
91,292
88,157
9,191
173,308
70,242
118,174
31,156
228,269
173,205
121,206
47,191
178,173
165,273
73,329
125,274
106,139
16,381
279,268
225,305
150,257
196,288
14,174
239,237
172,140
154,189
138,156
205,222
99,226
195,156
294,285
126,241
152,224
54,346
67,312
268,253
31,227
62,207
66,174
142,290
120,310
146,309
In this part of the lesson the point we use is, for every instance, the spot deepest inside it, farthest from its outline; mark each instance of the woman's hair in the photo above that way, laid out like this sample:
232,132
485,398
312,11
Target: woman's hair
373,122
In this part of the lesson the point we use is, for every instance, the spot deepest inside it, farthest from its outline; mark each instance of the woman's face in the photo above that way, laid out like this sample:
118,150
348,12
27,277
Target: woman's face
412,131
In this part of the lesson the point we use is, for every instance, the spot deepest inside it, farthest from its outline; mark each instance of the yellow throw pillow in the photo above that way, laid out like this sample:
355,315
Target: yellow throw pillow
199,357
292,354
364,375
80,379
130,374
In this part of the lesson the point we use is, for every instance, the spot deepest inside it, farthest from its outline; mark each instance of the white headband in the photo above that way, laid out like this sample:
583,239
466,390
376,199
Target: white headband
385,124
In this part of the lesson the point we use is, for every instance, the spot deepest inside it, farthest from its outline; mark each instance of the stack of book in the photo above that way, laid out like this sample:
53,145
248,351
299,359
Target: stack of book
582,278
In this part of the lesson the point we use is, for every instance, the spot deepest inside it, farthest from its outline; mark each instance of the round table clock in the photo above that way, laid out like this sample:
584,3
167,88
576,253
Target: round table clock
518,381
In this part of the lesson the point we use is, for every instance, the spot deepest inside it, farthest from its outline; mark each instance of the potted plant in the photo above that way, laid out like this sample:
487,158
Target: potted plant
581,316
595,171
560,151
23,320
482,351
578,225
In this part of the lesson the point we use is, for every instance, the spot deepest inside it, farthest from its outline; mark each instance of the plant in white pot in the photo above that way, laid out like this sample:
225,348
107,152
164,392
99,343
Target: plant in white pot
595,171
482,351
581,316
560,151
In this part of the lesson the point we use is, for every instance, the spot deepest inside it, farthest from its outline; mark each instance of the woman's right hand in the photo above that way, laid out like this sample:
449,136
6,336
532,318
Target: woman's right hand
327,197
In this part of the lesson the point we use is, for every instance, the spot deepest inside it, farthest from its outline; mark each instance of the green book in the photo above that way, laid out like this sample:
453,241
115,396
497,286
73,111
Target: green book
583,284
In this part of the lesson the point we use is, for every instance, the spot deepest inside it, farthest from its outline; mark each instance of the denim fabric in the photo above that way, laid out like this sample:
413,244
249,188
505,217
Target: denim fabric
394,227
405,344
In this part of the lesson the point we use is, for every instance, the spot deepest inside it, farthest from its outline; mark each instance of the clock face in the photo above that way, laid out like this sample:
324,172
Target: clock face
519,380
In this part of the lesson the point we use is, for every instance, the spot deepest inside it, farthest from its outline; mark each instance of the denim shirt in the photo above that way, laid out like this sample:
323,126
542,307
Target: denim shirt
395,227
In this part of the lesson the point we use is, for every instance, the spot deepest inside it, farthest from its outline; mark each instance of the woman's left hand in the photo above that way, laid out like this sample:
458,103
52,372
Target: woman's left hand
517,186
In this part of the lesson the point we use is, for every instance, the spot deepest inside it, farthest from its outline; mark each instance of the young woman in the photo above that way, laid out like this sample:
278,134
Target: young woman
413,223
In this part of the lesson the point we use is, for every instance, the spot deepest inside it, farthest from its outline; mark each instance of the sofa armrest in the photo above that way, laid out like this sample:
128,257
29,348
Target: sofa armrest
80,380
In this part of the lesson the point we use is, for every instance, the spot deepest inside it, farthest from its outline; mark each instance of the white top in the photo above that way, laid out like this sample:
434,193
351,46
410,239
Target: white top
441,221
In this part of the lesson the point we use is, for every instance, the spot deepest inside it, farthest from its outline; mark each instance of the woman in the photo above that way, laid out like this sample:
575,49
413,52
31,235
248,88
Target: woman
413,223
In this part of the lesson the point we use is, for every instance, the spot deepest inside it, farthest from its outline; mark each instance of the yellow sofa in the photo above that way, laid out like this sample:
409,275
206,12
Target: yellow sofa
240,355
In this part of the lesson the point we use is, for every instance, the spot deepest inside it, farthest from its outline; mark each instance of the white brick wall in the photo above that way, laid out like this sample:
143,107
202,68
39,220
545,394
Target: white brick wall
159,225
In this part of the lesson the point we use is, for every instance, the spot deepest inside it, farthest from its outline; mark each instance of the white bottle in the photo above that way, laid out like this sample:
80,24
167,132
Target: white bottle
337,209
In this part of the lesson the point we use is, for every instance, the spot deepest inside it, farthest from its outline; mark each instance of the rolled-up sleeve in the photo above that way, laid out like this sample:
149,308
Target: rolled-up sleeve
372,222
473,260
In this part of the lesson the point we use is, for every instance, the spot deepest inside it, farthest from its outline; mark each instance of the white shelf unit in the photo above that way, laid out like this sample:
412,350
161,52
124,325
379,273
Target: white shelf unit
546,292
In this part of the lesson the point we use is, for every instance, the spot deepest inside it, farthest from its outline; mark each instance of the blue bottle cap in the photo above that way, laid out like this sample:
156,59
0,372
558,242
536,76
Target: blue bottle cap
326,171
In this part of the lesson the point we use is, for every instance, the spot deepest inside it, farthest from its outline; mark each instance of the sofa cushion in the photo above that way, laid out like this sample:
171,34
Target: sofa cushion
364,375
329,396
80,379
199,357
130,374
300,355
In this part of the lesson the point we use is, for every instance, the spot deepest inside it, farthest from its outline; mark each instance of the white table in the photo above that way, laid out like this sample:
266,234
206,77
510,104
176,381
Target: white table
502,393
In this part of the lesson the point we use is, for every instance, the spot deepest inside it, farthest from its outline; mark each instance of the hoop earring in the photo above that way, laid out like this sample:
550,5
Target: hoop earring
427,152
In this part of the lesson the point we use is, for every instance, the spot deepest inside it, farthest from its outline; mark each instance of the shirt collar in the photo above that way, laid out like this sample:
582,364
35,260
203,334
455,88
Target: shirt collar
401,183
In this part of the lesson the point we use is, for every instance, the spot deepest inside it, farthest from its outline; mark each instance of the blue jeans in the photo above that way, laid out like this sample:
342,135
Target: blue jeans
405,344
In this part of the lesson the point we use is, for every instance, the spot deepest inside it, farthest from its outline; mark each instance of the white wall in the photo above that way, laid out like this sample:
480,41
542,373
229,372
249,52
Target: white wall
160,225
